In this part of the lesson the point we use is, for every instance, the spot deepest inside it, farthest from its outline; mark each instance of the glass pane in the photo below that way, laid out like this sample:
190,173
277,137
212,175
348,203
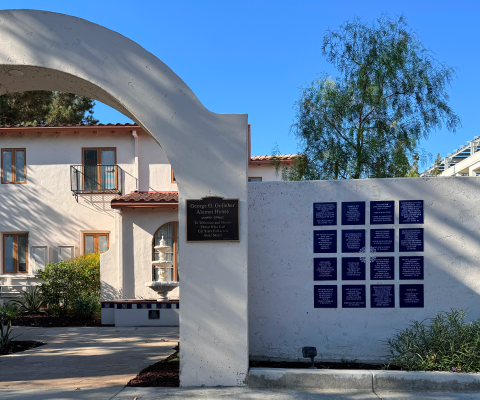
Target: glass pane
102,243
90,172
108,157
22,253
90,157
90,177
167,233
9,254
89,244
20,165
108,176
7,166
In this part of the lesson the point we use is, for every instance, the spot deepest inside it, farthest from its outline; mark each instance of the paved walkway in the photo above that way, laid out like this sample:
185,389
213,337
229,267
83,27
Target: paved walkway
85,358
224,393
96,363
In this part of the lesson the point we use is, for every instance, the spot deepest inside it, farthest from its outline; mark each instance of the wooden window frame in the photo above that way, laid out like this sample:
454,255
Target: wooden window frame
254,177
95,240
174,250
15,253
173,179
99,162
99,149
14,166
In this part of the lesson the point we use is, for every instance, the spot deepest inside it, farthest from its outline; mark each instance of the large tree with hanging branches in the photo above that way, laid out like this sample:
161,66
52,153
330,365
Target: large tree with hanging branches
368,120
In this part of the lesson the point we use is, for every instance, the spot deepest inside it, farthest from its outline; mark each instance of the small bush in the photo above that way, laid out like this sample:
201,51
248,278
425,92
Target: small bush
8,310
30,301
87,307
67,281
5,336
444,343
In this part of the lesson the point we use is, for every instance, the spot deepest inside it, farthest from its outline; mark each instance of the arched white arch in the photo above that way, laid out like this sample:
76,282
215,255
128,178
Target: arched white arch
208,151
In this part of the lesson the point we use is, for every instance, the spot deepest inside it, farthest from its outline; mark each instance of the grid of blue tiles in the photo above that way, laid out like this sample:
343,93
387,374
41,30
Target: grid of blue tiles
148,306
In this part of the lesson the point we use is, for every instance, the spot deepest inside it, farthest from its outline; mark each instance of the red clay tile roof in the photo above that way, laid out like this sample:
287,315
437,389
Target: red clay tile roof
149,196
64,125
281,157
146,199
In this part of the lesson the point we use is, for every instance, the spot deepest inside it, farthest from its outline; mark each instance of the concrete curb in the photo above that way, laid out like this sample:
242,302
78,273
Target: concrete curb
285,378
425,381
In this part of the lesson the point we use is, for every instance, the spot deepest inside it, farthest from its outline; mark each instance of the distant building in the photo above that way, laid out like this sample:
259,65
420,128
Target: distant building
464,161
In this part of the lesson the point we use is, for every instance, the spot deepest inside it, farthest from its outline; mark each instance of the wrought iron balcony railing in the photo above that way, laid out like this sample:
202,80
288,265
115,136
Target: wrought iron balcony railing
96,179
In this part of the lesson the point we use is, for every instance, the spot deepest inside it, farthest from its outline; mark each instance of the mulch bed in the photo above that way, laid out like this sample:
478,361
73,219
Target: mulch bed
50,321
16,346
165,373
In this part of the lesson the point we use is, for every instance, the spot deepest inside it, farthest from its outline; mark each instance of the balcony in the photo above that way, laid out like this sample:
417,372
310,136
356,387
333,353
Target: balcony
96,179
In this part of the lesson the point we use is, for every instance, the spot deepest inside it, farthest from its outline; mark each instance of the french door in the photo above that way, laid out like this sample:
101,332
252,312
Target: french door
99,169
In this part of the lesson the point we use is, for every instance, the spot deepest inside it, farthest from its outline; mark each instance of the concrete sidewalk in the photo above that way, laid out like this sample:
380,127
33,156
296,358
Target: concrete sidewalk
225,393
85,357
96,363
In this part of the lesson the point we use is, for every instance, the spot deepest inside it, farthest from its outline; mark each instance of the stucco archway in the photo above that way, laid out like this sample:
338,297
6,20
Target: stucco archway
48,51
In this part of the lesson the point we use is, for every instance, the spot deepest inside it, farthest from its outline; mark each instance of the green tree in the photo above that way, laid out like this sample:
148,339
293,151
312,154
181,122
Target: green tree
413,172
368,122
45,107
436,169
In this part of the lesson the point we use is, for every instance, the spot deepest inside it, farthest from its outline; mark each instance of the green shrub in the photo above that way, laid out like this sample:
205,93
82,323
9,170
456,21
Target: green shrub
8,310
88,306
67,281
30,301
443,343
5,336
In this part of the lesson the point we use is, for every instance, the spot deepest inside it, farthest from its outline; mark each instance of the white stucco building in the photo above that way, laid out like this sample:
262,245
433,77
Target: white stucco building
72,190
464,161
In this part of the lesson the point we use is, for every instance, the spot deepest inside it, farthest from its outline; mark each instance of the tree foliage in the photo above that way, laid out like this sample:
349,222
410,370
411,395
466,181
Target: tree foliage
436,169
45,107
368,122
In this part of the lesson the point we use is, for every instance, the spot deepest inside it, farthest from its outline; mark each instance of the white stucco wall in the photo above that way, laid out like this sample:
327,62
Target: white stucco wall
139,227
282,316
265,171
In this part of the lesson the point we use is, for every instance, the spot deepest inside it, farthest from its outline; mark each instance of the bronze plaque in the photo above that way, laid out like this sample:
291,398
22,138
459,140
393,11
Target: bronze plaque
213,219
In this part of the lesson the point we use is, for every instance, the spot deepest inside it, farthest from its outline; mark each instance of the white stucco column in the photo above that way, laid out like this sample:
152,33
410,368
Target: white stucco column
48,51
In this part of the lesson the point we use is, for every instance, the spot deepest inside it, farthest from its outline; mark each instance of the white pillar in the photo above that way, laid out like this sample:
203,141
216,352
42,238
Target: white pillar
137,177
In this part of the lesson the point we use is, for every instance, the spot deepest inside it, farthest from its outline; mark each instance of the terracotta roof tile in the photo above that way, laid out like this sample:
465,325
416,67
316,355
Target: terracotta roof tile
62,125
148,197
281,157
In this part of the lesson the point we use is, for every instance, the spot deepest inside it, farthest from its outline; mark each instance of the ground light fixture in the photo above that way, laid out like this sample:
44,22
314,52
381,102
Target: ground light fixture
310,352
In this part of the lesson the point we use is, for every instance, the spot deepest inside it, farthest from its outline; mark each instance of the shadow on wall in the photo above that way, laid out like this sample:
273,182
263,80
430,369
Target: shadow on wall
281,281
98,202
110,293
34,208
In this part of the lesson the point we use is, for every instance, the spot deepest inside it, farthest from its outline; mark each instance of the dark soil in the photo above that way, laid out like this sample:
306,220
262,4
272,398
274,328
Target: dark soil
321,365
165,373
50,321
16,346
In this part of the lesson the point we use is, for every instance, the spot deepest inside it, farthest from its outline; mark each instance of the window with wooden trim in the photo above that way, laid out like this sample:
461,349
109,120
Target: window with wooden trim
99,170
174,180
169,231
95,242
255,179
14,166
15,253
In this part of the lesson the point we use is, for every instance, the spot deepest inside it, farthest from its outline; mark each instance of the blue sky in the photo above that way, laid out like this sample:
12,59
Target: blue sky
254,56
